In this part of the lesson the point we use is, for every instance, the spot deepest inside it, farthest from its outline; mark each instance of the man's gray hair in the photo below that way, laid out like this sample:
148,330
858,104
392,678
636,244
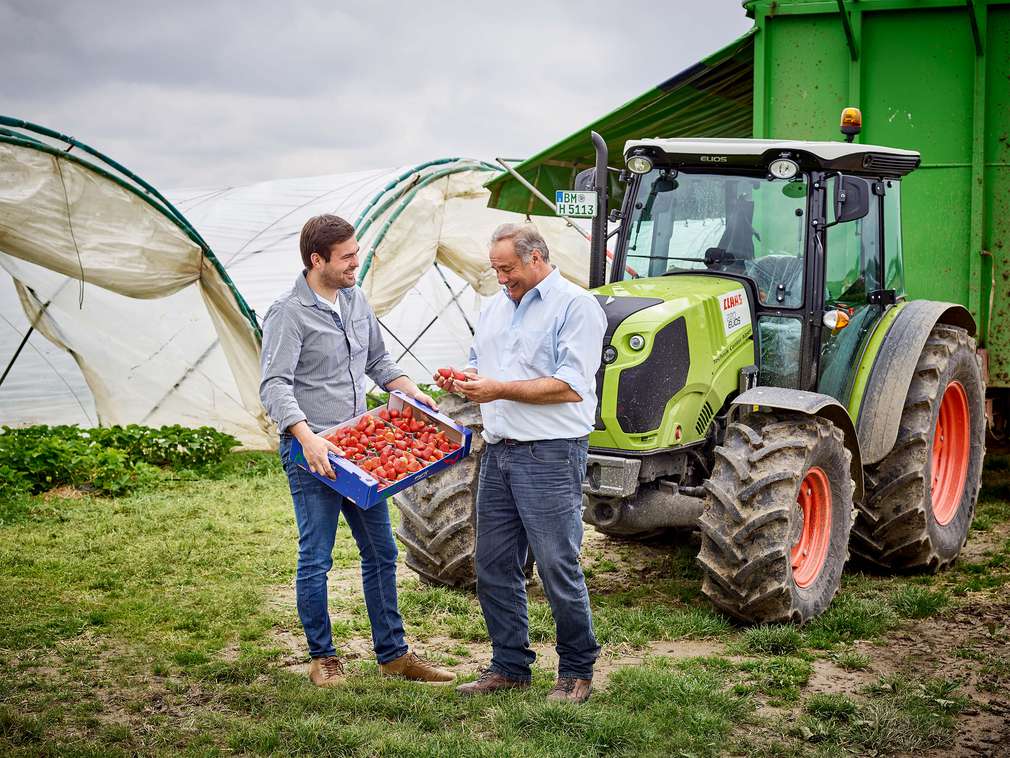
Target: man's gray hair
525,238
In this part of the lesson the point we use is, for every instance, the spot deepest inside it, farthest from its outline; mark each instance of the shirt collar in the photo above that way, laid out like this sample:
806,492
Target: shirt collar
309,298
548,283
306,295
544,288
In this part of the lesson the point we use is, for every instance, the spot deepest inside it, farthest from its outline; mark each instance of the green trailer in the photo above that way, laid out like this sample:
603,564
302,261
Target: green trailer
929,75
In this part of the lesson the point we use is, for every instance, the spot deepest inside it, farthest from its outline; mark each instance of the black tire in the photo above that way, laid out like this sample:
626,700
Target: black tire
752,518
896,528
438,517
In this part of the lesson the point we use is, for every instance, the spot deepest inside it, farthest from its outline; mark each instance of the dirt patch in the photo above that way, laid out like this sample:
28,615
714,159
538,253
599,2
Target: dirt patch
982,544
969,644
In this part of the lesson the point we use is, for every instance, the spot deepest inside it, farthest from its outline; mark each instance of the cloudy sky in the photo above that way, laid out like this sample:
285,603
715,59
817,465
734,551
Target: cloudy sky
222,93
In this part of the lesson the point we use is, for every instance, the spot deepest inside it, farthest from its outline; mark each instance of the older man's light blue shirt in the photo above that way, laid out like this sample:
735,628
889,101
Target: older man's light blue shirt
555,331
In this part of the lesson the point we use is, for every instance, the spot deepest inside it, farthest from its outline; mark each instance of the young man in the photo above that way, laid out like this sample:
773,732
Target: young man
320,340
537,349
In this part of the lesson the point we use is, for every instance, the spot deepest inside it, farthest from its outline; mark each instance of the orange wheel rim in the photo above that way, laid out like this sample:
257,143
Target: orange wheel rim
811,549
951,447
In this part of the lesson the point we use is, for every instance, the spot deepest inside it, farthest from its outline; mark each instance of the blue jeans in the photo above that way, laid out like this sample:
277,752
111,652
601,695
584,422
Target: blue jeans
317,508
530,496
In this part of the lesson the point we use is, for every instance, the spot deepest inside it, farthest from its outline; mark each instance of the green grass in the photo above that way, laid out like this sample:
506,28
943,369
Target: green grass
853,661
917,602
773,639
162,623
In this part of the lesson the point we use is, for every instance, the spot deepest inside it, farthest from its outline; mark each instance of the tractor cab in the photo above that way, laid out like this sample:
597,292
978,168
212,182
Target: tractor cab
811,228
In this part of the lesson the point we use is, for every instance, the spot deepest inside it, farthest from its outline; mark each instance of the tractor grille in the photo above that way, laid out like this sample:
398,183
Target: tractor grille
894,165
703,418
644,390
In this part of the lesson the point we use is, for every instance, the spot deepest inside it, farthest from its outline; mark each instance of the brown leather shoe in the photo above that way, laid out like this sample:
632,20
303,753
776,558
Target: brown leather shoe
491,681
414,667
326,672
570,690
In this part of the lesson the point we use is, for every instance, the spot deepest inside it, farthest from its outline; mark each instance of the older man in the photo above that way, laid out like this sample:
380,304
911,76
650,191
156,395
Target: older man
320,340
532,368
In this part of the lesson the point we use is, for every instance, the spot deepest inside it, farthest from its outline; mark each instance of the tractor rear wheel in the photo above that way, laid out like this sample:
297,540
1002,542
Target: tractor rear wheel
775,532
921,497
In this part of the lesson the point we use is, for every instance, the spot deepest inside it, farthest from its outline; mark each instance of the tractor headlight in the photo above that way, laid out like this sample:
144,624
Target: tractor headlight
636,341
639,164
609,354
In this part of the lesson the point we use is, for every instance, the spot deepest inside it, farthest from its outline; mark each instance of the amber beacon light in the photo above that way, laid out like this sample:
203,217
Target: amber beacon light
852,123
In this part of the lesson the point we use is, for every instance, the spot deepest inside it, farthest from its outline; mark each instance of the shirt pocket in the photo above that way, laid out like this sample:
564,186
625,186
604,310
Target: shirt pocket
537,351
358,339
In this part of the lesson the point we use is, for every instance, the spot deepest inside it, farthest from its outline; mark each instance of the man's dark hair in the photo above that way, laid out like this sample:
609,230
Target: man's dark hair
320,233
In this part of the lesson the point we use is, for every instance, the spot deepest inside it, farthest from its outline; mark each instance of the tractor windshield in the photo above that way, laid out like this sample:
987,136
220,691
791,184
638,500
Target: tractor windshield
716,222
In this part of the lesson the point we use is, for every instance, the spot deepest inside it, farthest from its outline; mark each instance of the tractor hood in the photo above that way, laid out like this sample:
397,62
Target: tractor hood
649,302
667,340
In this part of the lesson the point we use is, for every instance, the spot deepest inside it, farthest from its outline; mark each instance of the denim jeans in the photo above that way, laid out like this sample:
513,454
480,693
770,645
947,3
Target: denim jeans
530,496
317,508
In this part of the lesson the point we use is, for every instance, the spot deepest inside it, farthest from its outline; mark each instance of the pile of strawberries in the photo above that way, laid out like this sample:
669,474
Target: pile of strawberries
392,444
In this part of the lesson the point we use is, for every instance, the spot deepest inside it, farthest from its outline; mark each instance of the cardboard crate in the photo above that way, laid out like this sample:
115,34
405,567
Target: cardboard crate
364,489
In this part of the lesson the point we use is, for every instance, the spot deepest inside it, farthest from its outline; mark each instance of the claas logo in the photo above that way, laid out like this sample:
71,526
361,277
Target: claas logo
731,301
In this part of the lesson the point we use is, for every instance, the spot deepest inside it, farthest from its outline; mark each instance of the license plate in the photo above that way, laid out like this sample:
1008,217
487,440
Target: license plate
575,204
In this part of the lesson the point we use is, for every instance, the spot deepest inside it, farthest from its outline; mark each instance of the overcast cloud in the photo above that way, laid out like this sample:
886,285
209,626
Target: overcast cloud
222,93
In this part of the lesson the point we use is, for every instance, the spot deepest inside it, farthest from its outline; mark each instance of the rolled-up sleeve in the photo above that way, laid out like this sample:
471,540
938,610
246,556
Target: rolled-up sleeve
380,366
282,342
580,344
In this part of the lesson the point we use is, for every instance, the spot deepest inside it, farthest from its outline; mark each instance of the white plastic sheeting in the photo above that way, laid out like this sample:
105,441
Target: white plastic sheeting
160,338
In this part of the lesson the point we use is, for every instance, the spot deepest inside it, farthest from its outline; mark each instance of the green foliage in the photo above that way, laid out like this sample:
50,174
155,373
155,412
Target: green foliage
111,460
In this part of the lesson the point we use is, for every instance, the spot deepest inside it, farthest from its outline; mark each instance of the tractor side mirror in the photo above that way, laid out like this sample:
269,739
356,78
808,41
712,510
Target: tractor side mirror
850,199
585,180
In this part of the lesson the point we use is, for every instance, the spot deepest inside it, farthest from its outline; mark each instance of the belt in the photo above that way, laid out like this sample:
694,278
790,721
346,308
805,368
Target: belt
512,443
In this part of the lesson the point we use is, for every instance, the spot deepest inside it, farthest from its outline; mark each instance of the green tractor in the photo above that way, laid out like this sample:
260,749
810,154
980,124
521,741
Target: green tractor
763,378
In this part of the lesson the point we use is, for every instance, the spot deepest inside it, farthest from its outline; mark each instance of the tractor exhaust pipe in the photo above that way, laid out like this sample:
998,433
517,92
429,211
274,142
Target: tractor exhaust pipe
598,242
661,508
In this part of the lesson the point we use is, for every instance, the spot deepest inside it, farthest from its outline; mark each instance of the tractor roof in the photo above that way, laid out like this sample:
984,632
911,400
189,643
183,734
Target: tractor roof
753,153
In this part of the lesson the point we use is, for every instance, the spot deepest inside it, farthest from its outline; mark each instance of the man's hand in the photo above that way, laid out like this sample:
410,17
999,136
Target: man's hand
449,383
407,387
316,449
480,389
423,398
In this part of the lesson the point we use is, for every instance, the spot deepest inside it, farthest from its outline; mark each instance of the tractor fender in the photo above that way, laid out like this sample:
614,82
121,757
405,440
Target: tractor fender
883,399
811,404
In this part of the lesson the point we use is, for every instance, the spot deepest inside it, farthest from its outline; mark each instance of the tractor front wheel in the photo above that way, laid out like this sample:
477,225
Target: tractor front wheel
775,532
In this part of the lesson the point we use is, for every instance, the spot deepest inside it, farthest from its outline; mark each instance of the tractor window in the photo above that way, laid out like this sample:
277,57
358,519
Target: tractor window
853,258
780,351
894,273
852,271
708,222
